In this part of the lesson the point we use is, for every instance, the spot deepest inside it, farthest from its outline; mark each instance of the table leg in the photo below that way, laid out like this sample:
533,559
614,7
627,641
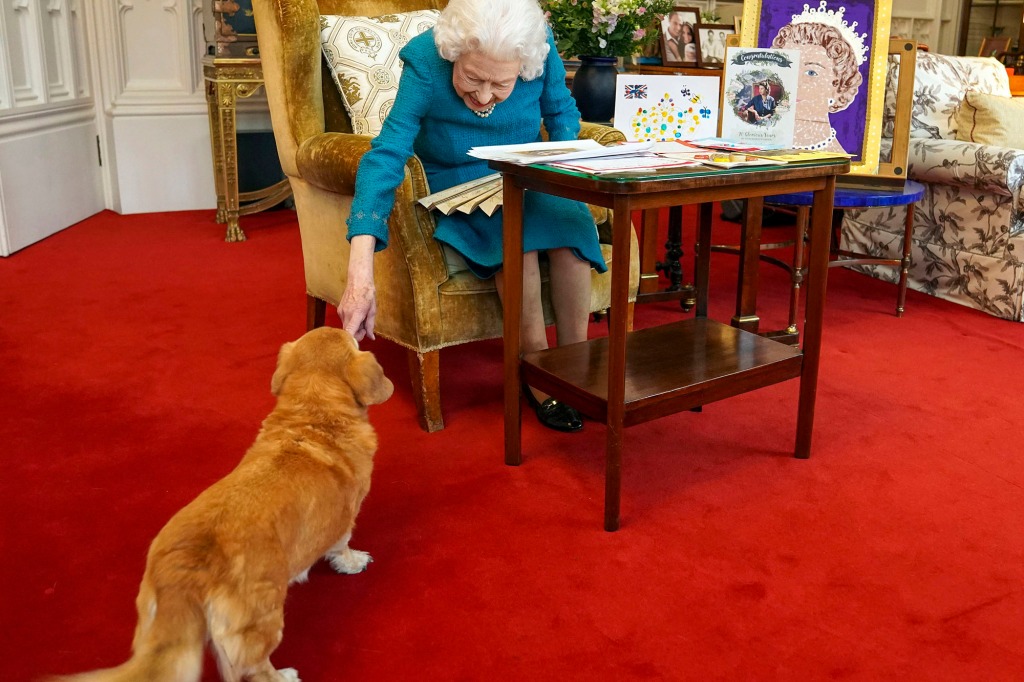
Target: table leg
648,255
671,266
512,237
817,277
617,363
229,145
750,256
797,275
908,233
216,147
702,260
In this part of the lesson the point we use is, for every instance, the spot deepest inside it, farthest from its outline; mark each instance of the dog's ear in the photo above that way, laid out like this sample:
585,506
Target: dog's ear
284,367
366,377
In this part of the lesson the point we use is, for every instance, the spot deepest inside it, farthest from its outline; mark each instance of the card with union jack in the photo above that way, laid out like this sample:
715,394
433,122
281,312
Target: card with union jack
658,108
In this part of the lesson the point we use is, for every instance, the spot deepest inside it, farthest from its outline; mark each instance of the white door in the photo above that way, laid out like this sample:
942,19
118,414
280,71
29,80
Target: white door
50,176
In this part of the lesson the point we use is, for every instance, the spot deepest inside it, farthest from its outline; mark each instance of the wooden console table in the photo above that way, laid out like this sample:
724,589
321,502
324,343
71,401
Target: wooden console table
227,80
634,376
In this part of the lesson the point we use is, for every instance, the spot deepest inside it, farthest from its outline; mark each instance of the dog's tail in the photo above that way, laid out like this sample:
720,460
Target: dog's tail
168,644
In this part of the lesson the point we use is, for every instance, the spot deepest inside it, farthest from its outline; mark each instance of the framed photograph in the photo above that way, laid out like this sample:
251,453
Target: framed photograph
679,45
843,45
993,45
712,38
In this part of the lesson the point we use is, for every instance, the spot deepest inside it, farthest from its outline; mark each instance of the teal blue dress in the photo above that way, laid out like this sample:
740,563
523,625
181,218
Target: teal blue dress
429,119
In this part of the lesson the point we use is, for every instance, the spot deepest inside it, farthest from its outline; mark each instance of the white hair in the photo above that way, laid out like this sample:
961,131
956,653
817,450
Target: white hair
506,30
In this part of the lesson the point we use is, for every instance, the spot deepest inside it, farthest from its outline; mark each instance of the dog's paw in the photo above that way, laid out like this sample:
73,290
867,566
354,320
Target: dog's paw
289,675
350,561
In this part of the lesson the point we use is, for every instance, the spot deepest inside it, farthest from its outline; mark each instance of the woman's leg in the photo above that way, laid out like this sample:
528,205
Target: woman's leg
532,333
553,414
570,295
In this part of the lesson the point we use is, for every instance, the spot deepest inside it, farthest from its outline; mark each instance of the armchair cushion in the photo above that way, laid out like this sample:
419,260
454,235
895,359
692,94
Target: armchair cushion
940,82
991,119
362,54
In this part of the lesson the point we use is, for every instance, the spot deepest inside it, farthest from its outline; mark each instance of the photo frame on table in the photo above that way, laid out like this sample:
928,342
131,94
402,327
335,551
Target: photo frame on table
679,46
993,45
712,41
852,120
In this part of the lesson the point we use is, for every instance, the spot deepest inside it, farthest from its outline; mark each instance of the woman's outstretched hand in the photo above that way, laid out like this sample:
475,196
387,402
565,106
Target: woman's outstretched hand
358,307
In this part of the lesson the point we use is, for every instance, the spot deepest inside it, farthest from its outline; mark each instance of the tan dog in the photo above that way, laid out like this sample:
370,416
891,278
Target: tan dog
221,566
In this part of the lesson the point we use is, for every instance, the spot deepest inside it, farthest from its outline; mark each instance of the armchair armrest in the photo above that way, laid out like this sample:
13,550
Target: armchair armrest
603,134
329,161
989,169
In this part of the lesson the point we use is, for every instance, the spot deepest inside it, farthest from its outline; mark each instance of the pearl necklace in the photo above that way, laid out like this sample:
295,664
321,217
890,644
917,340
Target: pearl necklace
818,145
484,113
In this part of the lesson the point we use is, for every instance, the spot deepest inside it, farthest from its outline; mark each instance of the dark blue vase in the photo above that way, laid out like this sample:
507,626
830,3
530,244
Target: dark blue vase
593,87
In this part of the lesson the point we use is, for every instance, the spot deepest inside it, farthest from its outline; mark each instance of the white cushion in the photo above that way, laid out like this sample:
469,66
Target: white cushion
362,54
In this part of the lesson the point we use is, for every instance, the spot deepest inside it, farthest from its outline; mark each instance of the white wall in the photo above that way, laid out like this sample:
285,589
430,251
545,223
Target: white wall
49,167
932,22
152,110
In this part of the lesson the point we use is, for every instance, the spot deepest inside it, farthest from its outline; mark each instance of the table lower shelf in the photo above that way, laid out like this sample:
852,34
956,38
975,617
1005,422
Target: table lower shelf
669,368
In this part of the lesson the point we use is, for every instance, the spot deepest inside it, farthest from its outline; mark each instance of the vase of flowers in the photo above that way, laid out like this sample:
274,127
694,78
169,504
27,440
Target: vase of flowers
598,32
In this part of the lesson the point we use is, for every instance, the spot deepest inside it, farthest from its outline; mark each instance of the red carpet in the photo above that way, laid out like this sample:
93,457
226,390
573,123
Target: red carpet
136,356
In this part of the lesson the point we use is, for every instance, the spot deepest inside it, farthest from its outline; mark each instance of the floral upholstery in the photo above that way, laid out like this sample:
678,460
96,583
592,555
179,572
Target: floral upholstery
969,226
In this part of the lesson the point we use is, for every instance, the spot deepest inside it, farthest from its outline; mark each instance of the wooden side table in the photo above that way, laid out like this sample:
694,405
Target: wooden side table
228,79
631,377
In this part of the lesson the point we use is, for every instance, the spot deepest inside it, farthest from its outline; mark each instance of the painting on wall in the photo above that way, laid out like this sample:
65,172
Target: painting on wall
843,49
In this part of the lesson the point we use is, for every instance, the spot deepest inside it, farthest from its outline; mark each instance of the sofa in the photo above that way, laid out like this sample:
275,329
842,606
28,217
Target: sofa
968,236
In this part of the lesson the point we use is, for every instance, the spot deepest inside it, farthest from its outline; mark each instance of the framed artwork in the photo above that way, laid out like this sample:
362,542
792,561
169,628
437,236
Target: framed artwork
712,39
993,45
844,46
229,28
679,46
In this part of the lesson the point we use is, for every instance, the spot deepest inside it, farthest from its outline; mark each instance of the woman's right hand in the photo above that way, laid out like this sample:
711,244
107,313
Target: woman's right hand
358,307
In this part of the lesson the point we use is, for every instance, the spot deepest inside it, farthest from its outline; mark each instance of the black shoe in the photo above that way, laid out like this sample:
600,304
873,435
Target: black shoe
554,414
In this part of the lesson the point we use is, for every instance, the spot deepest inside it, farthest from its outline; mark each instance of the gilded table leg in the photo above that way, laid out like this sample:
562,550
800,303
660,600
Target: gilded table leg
226,116
216,147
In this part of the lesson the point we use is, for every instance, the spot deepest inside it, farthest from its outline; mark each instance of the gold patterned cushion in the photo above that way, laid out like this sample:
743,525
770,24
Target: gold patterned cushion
991,119
362,54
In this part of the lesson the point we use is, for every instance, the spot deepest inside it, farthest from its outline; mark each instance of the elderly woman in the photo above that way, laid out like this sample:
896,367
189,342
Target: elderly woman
486,74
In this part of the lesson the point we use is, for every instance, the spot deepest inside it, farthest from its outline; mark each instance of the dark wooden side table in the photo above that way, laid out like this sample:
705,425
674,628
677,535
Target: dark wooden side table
634,376
228,79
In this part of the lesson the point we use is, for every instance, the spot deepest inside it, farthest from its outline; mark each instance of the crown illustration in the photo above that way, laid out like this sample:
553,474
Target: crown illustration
834,18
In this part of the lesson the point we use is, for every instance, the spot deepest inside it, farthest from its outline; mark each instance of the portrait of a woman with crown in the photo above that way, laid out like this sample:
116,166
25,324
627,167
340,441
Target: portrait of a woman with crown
834,42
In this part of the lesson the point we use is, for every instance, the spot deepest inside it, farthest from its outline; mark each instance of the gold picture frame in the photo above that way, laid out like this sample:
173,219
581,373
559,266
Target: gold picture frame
859,124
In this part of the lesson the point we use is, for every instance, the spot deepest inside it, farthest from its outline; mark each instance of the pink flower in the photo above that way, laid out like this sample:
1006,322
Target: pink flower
639,34
641,10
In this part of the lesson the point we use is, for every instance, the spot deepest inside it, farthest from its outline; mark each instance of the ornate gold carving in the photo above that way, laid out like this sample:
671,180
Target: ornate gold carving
228,80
